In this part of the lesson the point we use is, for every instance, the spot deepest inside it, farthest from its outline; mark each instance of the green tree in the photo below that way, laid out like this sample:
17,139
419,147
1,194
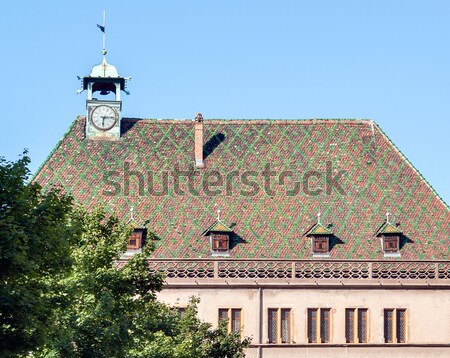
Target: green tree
186,336
113,310
105,299
65,293
35,244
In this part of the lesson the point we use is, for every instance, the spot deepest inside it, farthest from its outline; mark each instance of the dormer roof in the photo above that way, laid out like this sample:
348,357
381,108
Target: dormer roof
135,225
388,229
217,226
318,229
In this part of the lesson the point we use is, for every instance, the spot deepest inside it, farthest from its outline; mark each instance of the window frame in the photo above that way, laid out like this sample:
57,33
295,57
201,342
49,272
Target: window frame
319,323
357,334
221,238
395,333
386,240
181,310
320,239
279,339
138,241
229,312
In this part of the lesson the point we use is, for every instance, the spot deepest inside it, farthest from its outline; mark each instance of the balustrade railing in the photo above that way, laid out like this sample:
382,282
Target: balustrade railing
301,269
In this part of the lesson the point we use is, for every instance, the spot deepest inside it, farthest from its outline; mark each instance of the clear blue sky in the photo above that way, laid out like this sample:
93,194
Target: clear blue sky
382,60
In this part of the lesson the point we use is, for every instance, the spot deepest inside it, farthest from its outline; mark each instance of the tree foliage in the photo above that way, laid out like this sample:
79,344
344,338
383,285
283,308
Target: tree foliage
65,293
35,243
186,336
103,299
113,311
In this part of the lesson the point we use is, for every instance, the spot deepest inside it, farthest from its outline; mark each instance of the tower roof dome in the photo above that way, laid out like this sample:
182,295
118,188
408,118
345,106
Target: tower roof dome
104,69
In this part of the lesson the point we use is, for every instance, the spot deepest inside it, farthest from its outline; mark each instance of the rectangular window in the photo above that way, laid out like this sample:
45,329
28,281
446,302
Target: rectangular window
391,244
320,245
401,326
180,311
312,325
325,325
395,325
285,325
362,325
234,318
279,325
350,325
136,239
273,313
223,313
389,326
356,325
319,325
219,243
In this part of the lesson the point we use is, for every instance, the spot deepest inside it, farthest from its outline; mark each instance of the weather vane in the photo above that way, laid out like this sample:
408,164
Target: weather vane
102,29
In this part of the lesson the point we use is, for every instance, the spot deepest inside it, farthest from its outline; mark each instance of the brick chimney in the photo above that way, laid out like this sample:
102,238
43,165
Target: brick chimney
199,141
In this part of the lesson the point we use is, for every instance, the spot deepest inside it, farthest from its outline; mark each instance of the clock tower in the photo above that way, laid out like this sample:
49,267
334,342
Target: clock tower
103,113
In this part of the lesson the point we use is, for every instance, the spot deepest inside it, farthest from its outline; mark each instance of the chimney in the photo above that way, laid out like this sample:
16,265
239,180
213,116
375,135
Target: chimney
199,141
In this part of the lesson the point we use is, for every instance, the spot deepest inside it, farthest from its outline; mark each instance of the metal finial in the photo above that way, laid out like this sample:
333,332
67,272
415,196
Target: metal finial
103,30
318,217
104,33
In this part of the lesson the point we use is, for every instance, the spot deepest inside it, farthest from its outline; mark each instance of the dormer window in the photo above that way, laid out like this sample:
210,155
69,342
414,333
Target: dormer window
320,245
320,239
137,239
220,243
391,244
138,236
390,238
219,236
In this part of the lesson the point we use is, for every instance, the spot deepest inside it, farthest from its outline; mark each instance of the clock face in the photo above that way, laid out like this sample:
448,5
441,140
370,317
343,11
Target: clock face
104,117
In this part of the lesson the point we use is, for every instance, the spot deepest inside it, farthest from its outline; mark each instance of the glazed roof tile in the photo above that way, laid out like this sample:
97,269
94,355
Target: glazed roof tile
269,177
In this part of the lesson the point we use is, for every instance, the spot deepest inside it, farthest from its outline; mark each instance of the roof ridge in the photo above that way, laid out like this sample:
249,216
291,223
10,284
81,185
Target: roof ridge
254,120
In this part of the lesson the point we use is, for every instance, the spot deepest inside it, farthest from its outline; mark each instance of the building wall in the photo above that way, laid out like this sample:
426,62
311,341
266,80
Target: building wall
428,317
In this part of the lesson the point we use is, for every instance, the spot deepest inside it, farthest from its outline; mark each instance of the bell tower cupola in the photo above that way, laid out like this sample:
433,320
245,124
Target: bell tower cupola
103,103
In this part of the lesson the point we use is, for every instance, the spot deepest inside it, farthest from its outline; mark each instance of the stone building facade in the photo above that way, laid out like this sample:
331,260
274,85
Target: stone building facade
314,237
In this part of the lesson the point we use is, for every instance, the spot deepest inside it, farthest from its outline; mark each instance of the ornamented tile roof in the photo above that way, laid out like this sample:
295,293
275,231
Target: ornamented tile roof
268,176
